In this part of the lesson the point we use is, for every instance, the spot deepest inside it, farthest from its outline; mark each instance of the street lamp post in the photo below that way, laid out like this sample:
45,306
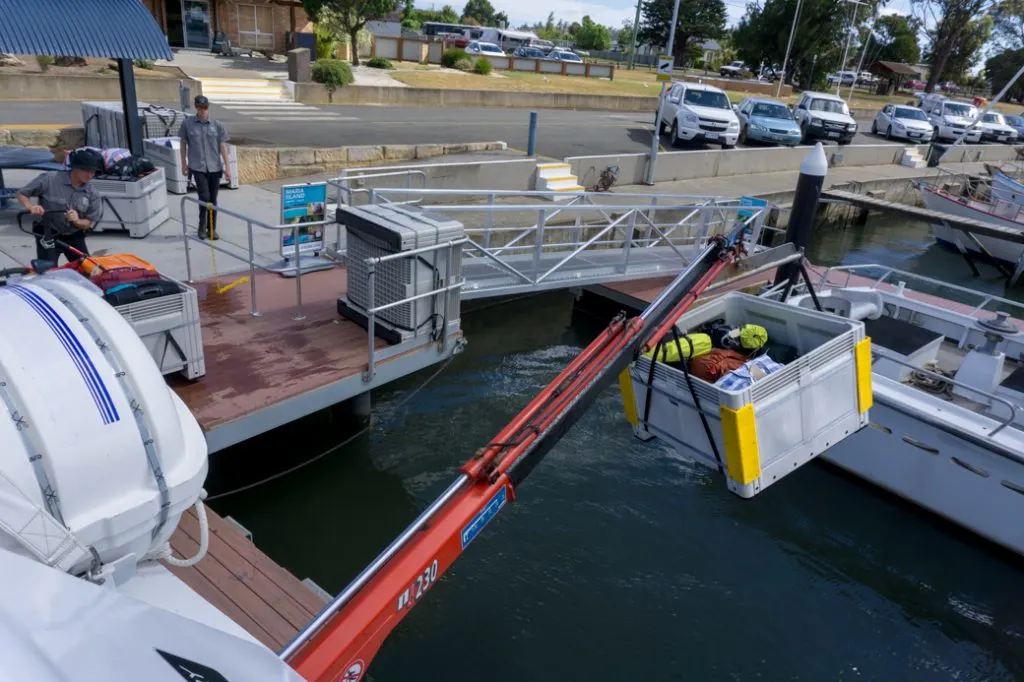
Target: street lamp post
860,64
636,28
842,67
656,136
789,45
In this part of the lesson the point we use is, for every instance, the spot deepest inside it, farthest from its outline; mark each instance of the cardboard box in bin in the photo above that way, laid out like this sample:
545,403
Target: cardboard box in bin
780,422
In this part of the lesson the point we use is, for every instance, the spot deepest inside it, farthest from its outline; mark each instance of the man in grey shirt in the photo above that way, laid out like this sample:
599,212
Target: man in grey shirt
204,156
68,207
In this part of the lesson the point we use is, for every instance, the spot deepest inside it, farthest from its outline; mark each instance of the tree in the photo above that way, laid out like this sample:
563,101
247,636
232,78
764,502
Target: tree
1008,17
481,10
966,52
818,42
500,19
469,21
897,39
625,37
350,16
410,20
1001,68
698,21
592,36
950,31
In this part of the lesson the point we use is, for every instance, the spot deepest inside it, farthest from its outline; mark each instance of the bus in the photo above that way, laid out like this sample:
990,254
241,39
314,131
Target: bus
440,29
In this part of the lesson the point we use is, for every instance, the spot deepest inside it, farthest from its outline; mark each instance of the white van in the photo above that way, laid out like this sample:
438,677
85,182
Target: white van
950,118
698,112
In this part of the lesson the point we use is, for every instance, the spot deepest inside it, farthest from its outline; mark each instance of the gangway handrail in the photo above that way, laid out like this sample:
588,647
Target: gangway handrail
549,193
986,299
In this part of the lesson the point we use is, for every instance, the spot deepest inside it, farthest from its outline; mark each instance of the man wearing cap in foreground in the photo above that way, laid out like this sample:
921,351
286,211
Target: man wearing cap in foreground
68,206
204,156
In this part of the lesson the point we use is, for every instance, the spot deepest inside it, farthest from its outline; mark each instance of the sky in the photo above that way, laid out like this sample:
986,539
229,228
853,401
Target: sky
607,12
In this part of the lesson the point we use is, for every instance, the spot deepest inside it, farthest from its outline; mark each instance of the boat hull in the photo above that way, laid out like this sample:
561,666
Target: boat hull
980,490
1000,249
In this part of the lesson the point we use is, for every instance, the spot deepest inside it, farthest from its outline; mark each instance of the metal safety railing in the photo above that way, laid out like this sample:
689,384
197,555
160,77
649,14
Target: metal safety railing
894,277
346,193
250,260
586,232
374,356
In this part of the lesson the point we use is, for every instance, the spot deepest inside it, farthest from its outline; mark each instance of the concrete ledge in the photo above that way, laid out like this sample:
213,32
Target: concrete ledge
53,138
314,93
262,164
713,163
84,88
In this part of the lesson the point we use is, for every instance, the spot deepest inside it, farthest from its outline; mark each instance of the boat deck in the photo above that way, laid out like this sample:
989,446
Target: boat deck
247,586
263,372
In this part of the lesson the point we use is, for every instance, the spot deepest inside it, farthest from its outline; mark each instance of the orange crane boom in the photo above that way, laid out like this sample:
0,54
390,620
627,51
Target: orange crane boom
342,640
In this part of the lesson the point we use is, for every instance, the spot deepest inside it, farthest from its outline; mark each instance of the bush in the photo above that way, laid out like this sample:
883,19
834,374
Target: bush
142,64
464,64
451,57
45,61
332,73
380,63
483,67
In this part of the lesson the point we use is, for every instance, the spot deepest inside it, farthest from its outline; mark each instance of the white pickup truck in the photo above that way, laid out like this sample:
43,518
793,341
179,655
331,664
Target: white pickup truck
694,112
733,70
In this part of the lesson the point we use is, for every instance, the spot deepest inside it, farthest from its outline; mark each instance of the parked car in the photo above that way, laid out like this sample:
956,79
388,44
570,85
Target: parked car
1017,123
995,129
528,52
907,123
842,77
950,118
483,49
767,120
698,112
732,70
866,78
561,55
822,116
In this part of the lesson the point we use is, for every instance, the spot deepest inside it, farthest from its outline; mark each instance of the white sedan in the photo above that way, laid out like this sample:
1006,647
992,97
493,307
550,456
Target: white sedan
908,123
484,49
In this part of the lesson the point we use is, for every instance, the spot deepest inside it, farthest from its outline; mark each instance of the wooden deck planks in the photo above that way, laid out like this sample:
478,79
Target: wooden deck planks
254,362
243,583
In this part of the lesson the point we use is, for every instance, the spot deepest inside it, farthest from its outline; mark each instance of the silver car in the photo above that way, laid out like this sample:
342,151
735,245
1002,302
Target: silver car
903,122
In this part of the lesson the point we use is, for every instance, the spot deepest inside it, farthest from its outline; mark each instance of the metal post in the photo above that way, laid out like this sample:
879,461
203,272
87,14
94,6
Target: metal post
541,217
184,238
489,224
371,319
846,48
252,272
789,45
636,27
447,294
298,276
656,137
629,240
860,64
531,145
130,104
800,230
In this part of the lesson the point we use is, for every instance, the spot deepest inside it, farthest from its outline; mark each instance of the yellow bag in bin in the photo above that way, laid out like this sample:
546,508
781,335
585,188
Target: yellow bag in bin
753,336
691,345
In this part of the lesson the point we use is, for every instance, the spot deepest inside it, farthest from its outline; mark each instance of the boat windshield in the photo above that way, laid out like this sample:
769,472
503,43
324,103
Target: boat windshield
831,106
912,114
770,110
707,98
964,110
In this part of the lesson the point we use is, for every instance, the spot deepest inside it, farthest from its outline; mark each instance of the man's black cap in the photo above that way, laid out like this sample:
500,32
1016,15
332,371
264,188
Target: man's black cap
201,101
86,159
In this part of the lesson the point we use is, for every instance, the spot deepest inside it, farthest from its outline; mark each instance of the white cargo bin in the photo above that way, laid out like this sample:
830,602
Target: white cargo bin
169,327
138,206
165,153
781,421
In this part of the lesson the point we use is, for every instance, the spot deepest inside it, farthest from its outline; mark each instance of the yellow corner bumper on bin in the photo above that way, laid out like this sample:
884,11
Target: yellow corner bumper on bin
739,436
862,354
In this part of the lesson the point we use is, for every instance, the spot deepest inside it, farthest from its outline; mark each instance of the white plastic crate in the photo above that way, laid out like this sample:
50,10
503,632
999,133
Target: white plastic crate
169,326
165,153
138,206
781,421
104,122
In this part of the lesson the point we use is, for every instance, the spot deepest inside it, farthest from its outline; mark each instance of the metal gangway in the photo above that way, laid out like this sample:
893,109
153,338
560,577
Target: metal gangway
528,241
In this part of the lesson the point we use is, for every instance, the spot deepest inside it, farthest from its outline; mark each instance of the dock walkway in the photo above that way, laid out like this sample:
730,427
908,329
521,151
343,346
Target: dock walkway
245,584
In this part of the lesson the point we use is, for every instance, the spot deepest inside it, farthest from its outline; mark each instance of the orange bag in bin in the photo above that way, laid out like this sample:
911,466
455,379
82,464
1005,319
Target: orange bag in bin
107,271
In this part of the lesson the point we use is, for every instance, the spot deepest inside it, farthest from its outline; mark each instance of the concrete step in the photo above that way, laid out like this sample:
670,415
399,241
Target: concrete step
557,184
556,177
245,90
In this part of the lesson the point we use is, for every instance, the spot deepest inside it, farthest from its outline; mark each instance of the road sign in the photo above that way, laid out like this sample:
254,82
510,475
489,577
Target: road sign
664,70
